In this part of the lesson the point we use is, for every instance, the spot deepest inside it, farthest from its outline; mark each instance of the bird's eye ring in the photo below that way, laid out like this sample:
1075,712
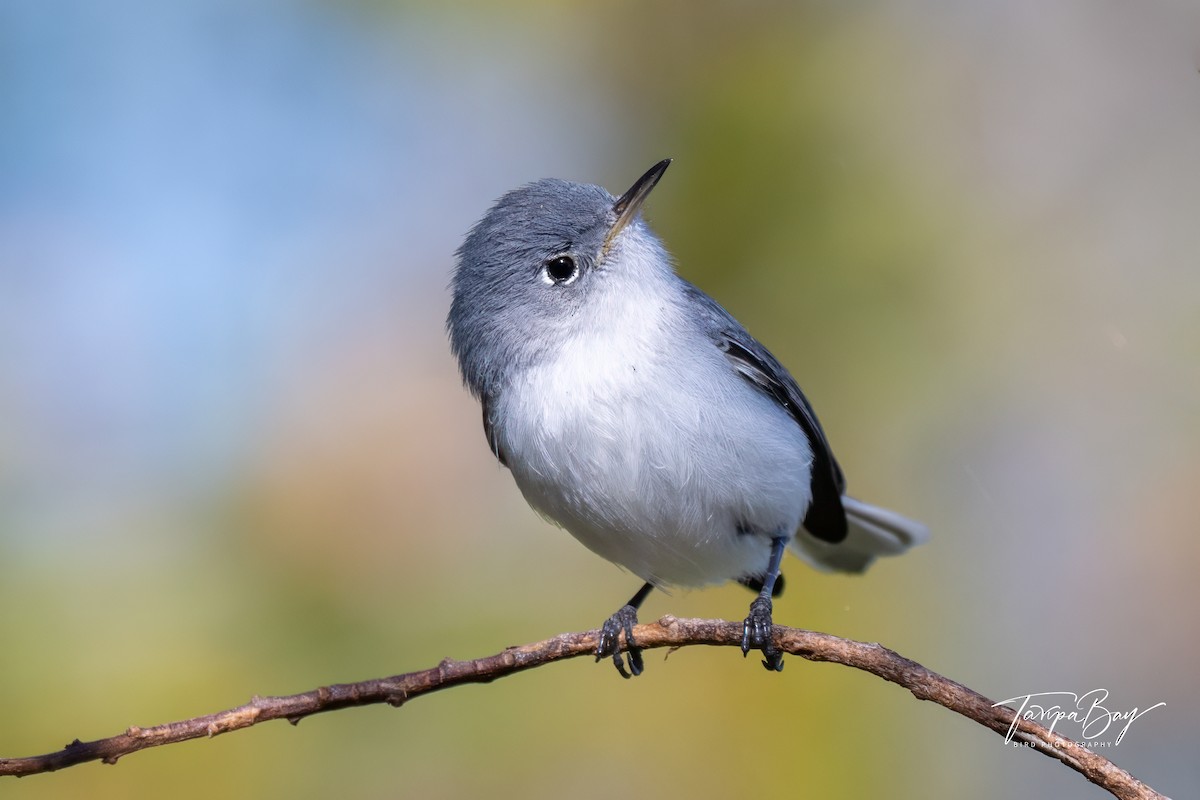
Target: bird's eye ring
560,271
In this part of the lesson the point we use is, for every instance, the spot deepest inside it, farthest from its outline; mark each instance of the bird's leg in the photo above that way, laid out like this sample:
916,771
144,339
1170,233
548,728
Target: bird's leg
610,634
756,631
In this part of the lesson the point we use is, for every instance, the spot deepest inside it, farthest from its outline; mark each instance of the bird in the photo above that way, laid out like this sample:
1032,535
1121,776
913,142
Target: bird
635,412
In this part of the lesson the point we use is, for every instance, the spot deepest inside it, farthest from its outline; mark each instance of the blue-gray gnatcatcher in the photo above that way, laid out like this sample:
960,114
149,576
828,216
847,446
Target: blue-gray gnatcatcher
638,414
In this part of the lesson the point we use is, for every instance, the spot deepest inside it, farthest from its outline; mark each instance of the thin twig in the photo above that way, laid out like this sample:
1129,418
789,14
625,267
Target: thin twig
667,632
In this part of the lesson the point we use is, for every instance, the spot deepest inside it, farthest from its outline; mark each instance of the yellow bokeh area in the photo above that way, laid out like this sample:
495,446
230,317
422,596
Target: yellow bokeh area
236,457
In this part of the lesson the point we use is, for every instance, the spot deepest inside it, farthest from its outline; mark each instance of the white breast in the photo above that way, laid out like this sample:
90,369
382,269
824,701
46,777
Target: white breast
644,443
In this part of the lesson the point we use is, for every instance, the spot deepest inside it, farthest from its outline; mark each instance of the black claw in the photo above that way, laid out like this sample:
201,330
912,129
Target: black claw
610,641
756,634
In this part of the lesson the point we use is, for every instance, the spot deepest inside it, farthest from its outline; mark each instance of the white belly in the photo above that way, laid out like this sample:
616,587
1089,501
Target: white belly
676,469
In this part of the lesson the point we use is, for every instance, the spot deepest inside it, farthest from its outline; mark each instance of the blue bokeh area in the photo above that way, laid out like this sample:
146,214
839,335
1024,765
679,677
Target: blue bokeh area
181,179
236,457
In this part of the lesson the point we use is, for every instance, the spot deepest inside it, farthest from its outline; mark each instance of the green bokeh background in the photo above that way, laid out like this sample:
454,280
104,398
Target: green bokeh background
970,231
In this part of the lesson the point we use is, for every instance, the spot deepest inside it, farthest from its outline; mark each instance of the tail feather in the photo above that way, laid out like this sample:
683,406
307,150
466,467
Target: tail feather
873,532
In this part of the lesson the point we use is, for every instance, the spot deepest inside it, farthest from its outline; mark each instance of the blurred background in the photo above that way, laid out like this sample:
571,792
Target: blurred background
236,458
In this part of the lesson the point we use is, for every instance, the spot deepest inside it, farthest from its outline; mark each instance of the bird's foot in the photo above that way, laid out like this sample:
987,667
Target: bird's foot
610,641
756,634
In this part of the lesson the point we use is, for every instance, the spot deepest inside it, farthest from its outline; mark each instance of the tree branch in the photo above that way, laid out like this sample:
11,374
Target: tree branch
667,632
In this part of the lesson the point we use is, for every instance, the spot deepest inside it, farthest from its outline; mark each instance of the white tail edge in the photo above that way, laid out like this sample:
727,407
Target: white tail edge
874,532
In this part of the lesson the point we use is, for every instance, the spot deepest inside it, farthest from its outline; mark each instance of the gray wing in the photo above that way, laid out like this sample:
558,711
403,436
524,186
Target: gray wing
826,518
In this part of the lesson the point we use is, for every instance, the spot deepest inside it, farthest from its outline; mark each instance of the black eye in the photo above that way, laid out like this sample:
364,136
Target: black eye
560,270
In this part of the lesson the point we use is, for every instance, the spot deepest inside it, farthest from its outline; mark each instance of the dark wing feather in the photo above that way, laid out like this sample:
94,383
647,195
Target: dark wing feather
488,431
826,518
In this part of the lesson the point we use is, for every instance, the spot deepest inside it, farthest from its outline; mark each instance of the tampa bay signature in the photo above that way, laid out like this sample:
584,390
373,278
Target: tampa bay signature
1089,710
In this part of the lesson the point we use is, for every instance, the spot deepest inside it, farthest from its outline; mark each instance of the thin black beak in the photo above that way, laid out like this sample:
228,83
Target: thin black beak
628,204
